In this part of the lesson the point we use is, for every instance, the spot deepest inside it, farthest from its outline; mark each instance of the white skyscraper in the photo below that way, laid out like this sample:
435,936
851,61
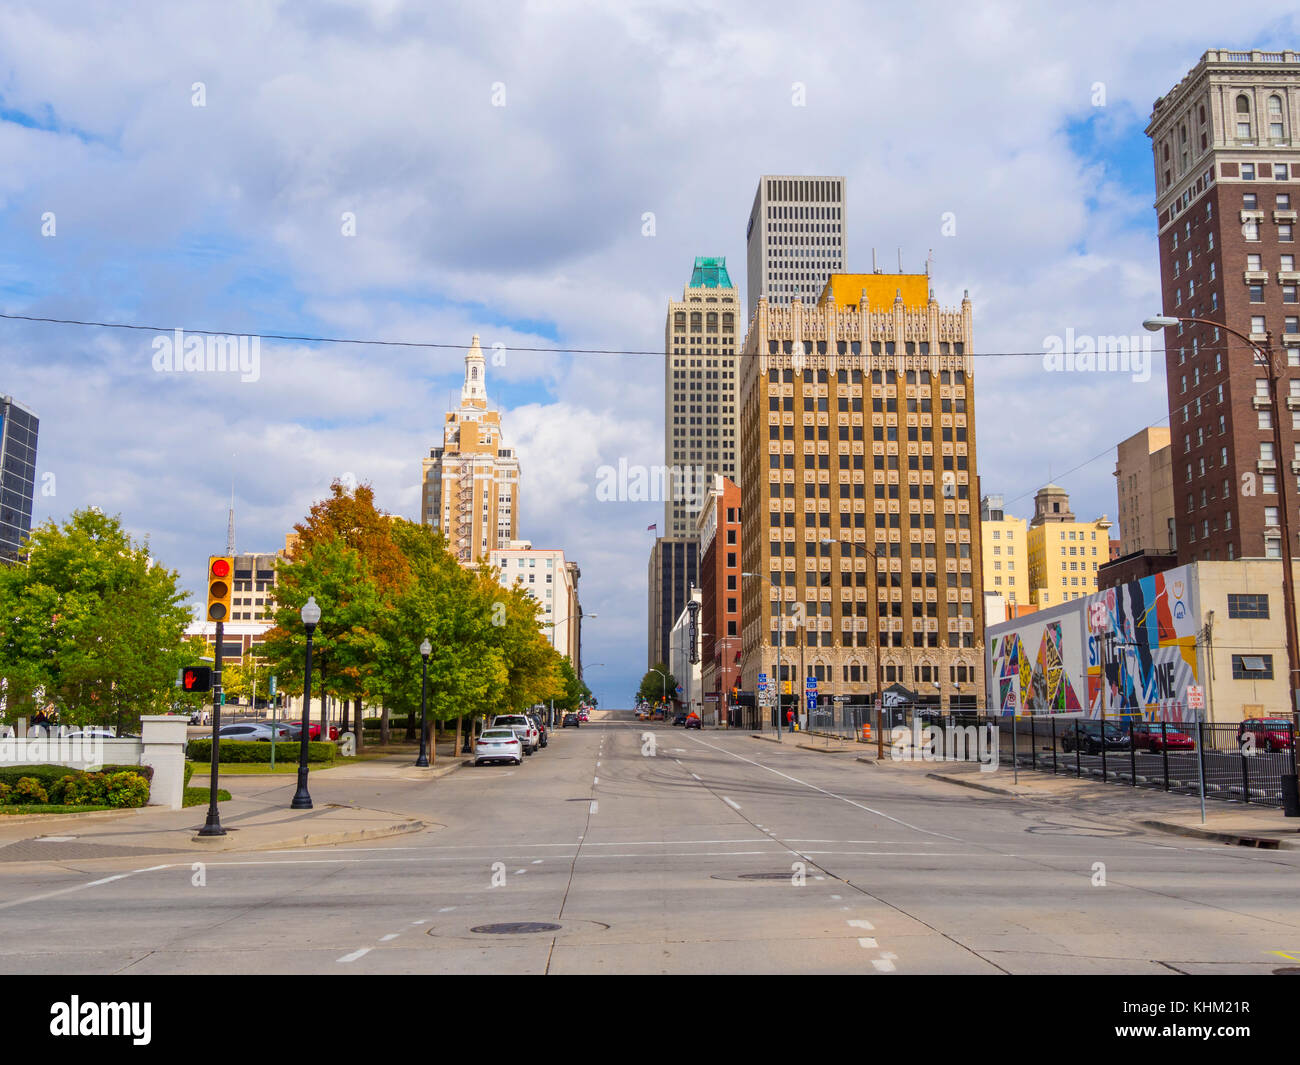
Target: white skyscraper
794,240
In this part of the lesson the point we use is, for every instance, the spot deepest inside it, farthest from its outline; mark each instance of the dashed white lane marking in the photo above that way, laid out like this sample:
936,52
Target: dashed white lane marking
867,943
859,924
391,935
537,861
447,909
520,872
355,954
697,778
836,898
422,920
595,806
595,780
883,965
730,802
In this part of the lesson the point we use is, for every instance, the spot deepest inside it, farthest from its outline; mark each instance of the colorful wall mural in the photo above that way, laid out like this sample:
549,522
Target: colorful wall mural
1143,634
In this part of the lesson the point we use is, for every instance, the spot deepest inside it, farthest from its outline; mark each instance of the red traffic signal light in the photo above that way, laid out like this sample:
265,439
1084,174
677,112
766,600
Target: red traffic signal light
196,679
219,569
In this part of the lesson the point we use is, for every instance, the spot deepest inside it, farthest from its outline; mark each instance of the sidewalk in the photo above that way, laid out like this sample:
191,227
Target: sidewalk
256,818
1225,822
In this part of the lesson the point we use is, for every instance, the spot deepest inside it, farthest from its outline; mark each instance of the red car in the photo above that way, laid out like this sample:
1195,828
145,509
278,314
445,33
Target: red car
313,730
1152,736
1270,733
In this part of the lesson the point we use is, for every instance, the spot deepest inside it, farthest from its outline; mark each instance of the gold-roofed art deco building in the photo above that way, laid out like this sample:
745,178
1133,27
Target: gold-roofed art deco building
471,483
858,428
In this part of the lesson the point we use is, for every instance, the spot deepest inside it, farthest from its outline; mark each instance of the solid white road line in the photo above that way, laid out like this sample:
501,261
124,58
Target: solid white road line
391,935
355,954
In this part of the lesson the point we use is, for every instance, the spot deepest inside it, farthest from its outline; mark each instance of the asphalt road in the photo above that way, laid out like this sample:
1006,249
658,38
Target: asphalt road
653,850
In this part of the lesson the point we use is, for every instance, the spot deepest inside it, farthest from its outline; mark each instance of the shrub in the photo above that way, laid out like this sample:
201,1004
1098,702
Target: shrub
5,789
125,789
59,789
189,772
28,791
259,751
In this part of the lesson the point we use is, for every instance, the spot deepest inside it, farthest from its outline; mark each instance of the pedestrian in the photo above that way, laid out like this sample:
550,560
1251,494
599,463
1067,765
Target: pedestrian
789,720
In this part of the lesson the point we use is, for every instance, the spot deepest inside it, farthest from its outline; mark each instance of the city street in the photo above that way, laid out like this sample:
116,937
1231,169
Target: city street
634,848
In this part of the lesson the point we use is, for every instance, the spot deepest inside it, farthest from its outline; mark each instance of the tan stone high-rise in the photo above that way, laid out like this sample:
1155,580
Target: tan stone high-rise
857,425
1144,481
471,483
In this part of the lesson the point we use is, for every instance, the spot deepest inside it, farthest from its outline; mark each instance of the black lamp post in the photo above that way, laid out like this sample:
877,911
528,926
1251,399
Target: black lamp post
302,798
426,649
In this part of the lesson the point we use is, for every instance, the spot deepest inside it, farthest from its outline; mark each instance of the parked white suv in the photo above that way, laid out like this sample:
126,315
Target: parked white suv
523,728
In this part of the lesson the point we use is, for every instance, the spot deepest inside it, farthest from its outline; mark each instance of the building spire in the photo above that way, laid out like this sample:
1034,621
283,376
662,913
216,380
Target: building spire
474,391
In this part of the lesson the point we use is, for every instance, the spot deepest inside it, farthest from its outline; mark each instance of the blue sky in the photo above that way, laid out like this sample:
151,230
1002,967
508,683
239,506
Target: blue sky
523,223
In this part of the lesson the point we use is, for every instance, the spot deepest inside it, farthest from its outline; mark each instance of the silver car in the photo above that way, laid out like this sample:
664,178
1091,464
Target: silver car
254,730
498,745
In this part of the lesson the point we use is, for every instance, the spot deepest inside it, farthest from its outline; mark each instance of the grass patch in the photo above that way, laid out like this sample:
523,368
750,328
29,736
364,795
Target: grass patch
201,796
46,808
242,769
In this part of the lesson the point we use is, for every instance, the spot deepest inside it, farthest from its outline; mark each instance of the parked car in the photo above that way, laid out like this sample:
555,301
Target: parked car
570,719
692,721
261,731
679,719
1088,738
1152,736
99,732
523,728
1270,733
498,745
540,725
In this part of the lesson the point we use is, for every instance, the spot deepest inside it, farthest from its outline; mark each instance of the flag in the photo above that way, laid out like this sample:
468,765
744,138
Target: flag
652,528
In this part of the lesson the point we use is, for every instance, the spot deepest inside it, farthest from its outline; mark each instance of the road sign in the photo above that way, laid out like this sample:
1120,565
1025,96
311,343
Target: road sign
272,686
812,700
812,684
1195,697
762,682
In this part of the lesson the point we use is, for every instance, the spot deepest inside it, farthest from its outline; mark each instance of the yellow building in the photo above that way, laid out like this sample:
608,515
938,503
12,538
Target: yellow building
1005,553
1064,554
471,483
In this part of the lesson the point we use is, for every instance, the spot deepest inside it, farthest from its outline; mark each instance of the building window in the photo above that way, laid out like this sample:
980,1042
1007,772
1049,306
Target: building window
1252,667
1250,607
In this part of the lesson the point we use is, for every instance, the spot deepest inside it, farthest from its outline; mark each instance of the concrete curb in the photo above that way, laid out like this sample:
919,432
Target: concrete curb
311,839
964,783
824,750
865,760
1240,839
98,815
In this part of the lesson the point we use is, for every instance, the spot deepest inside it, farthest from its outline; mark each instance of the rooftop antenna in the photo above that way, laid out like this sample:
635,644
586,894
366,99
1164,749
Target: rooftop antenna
900,260
874,268
929,259
230,524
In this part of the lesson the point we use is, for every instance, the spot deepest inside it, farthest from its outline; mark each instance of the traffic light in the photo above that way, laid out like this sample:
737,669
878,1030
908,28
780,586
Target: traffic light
196,679
220,569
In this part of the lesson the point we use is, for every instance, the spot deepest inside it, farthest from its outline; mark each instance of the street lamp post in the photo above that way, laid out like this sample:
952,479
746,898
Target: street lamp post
780,637
875,637
551,625
426,649
1268,359
310,619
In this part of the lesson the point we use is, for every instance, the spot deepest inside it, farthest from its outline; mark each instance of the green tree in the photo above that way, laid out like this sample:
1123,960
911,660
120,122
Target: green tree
91,625
345,642
654,686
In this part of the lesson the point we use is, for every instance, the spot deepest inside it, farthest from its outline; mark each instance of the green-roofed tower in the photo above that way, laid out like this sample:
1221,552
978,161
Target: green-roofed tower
710,272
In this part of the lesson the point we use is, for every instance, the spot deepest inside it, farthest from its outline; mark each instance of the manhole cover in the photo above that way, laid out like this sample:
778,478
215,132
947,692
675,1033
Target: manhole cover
516,928
764,876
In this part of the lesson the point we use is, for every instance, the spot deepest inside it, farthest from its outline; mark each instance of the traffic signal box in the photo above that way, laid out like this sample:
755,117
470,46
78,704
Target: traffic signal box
220,585
196,679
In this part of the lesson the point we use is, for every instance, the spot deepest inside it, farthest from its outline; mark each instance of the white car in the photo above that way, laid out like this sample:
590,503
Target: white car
523,728
498,745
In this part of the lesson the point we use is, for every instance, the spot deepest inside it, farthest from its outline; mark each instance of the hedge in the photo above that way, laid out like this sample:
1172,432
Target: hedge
124,788
48,774
189,772
260,751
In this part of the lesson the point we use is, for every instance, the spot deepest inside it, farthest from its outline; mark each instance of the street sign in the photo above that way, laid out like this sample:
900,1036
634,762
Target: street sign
1195,697
812,684
762,682
812,700
272,686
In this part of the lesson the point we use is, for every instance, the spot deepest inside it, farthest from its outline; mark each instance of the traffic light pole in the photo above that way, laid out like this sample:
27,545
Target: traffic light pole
212,827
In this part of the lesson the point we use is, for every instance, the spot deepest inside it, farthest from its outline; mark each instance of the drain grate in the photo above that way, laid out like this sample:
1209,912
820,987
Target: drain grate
516,928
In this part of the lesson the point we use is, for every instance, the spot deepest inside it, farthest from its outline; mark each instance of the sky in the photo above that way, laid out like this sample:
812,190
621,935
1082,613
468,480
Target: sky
410,172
